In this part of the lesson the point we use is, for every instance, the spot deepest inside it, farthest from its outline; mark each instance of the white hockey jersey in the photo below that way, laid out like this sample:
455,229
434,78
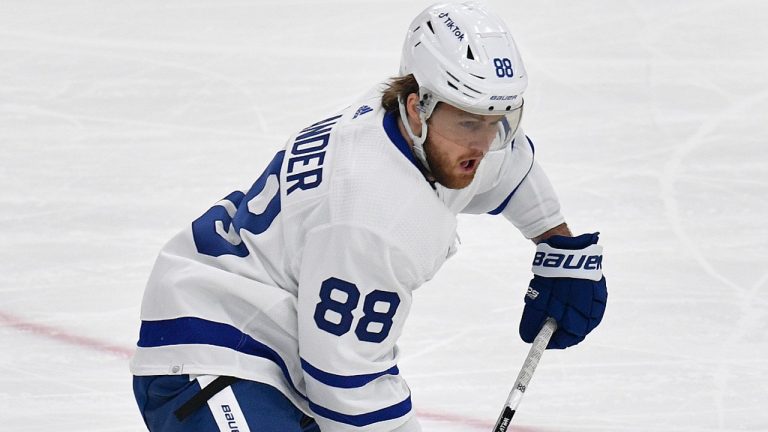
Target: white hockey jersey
304,281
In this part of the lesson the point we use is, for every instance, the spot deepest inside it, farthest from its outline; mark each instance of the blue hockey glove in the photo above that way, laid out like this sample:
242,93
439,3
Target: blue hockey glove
568,285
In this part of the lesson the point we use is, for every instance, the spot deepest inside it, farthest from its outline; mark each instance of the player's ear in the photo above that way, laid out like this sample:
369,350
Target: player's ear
412,109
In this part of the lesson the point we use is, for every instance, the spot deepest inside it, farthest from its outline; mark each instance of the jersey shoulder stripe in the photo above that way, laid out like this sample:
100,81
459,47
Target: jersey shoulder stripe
504,203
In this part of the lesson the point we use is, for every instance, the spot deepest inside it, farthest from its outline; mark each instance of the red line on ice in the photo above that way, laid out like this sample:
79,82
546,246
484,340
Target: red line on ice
64,336
475,424
60,335
452,418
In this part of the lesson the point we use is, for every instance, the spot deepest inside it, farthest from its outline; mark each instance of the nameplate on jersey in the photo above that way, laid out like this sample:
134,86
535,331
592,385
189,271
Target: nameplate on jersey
306,156
584,263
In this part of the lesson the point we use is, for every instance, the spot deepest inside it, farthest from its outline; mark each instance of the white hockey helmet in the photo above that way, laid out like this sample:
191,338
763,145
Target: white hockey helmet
464,55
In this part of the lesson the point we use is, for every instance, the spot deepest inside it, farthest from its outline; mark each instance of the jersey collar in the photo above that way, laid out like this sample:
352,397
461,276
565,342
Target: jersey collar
393,132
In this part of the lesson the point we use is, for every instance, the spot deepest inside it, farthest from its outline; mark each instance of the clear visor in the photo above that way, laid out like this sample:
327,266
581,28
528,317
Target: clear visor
482,132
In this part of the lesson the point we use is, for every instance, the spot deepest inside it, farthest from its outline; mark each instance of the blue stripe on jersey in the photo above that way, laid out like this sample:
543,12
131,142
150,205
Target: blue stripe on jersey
391,412
191,330
344,381
504,203
393,132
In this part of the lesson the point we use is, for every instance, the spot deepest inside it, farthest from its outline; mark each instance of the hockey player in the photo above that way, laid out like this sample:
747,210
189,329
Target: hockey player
280,307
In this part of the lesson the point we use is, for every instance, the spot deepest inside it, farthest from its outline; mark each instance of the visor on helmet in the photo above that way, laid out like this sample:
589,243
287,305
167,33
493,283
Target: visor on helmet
485,132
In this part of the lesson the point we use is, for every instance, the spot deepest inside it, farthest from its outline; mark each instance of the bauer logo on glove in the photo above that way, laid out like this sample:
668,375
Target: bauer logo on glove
584,264
570,287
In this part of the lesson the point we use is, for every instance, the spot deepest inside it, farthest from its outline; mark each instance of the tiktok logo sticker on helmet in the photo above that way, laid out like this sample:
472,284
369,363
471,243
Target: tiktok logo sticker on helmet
452,26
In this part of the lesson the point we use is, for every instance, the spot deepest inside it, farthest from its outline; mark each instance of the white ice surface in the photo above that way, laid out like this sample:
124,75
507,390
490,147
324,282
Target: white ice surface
122,121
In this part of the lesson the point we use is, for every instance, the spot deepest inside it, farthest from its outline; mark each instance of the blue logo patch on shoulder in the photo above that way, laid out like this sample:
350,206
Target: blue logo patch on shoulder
365,109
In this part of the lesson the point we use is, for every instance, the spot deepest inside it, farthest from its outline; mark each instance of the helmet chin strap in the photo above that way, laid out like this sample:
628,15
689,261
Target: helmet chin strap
418,141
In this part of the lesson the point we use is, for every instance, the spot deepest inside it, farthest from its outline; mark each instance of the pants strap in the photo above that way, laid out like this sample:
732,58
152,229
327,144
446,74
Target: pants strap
202,397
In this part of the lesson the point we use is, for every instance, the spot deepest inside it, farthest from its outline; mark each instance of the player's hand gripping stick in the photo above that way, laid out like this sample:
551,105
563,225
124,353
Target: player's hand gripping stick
526,373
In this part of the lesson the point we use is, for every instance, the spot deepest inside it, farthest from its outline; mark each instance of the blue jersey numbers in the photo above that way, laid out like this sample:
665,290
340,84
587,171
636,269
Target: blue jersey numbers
339,298
503,67
216,232
376,323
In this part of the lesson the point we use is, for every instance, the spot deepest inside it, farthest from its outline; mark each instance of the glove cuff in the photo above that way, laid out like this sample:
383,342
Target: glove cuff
573,243
585,263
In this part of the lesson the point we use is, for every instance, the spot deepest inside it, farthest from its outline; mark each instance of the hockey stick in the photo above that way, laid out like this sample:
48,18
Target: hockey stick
526,373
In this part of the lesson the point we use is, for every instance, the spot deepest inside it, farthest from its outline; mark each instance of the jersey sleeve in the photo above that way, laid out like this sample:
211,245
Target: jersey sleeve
354,296
534,207
519,189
